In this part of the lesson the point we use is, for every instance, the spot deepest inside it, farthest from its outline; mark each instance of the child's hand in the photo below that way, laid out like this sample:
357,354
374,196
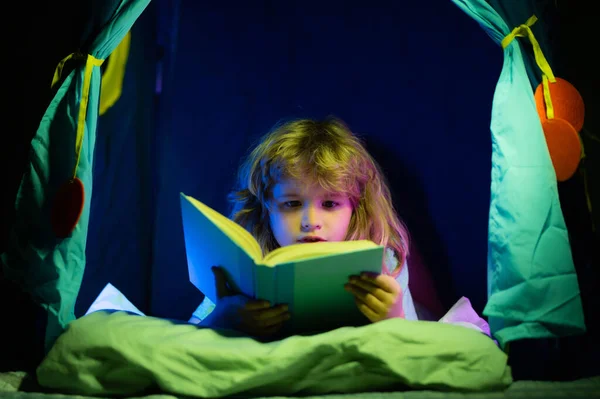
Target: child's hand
236,311
377,297
258,318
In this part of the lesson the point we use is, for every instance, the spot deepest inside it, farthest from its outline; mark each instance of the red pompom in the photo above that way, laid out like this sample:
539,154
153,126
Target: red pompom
566,102
67,207
564,147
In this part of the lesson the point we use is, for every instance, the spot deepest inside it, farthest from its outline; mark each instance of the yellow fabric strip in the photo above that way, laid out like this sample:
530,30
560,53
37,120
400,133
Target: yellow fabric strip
524,30
58,72
547,98
90,63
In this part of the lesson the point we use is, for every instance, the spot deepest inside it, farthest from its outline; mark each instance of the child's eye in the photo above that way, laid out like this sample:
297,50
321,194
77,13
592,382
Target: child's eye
330,204
291,204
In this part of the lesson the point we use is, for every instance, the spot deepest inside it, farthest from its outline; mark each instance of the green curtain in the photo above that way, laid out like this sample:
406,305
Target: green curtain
48,267
532,285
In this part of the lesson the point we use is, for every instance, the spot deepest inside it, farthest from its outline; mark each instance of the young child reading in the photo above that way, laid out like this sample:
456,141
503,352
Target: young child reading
310,181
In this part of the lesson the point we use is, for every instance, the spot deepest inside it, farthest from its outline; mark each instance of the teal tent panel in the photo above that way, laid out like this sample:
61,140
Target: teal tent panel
517,12
532,285
49,268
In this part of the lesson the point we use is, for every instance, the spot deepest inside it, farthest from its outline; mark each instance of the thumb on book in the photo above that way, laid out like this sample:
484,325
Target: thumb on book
221,285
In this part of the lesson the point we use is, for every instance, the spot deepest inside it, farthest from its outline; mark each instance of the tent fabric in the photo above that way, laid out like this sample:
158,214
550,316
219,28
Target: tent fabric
532,285
112,78
521,237
516,13
122,212
47,267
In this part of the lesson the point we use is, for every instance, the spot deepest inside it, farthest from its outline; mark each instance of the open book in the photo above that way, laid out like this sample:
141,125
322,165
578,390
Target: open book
309,278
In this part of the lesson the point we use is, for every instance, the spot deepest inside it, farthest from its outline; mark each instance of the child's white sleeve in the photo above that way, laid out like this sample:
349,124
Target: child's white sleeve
407,301
202,311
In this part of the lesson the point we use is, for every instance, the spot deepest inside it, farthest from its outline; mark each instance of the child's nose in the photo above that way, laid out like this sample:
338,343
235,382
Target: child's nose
311,218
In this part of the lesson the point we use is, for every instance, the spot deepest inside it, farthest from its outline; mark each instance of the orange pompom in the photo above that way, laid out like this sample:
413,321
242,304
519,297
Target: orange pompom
67,207
566,102
564,147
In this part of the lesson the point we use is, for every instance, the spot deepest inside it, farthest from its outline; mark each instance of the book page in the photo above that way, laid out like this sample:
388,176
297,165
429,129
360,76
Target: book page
297,252
237,233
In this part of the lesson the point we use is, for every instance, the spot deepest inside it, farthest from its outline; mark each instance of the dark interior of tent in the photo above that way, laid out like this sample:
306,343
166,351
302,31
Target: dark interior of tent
204,80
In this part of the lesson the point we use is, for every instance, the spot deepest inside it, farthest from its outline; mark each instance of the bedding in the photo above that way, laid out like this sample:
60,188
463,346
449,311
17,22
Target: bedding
122,354
588,388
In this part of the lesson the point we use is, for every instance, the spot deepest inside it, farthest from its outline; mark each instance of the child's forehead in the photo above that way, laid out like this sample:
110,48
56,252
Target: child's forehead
290,186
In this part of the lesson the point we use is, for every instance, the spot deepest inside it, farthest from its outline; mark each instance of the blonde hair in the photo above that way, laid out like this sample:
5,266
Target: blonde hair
328,153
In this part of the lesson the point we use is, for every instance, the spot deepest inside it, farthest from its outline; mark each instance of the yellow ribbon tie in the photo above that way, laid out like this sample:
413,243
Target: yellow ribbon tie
90,63
524,30
547,78
547,98
58,72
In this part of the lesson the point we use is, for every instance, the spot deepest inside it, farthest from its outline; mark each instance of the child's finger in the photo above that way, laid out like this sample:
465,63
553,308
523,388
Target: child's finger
269,313
385,297
221,285
366,310
273,320
262,319
257,305
367,298
383,281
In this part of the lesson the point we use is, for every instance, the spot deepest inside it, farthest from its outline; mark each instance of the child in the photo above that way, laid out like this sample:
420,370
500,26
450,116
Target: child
313,181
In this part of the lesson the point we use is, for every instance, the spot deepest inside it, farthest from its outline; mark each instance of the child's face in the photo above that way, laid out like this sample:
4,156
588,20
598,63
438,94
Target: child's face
305,213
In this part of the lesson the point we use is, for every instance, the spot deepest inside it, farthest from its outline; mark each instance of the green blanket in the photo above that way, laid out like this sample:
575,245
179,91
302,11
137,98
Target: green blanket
118,353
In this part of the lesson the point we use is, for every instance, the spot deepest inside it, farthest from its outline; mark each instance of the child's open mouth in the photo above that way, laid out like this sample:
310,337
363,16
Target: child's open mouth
311,239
